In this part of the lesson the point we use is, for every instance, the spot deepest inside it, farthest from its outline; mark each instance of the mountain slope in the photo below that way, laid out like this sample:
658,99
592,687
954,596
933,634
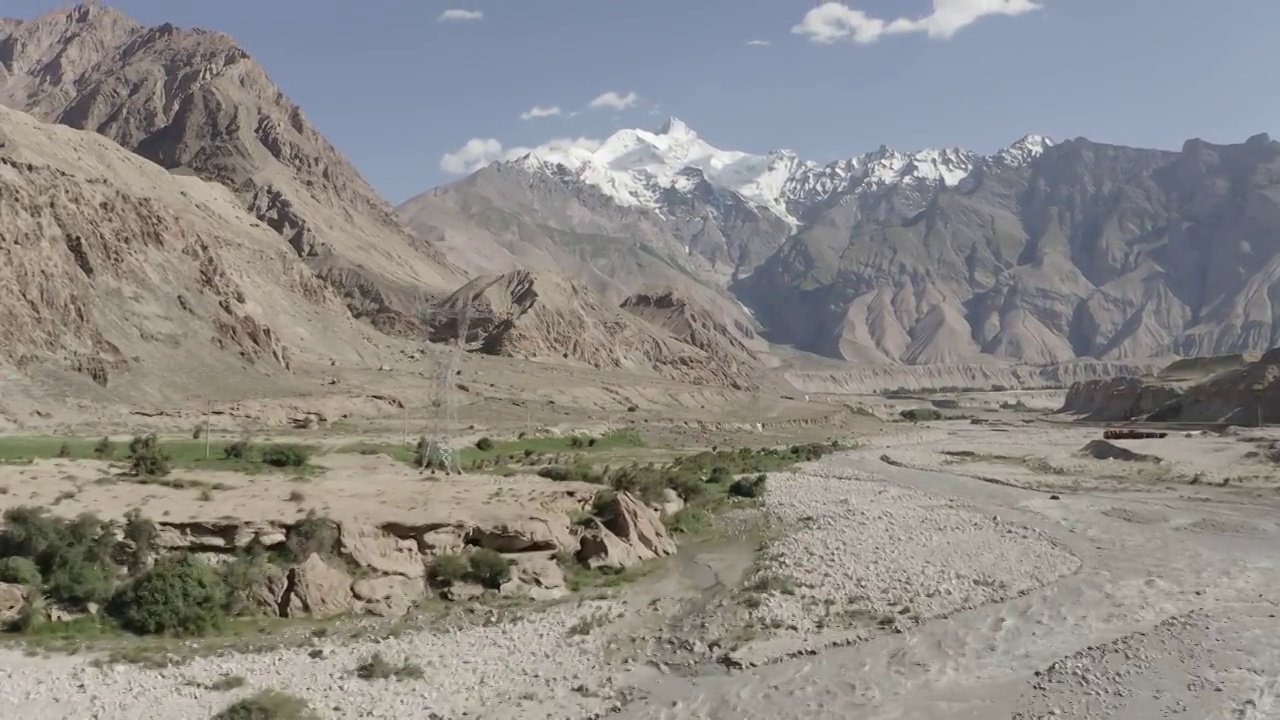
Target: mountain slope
194,101
1040,253
1087,251
118,278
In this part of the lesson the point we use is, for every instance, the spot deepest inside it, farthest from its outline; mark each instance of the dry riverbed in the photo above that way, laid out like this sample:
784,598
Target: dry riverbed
906,589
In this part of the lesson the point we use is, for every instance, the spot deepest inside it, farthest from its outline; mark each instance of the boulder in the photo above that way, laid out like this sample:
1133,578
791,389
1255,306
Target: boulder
539,577
638,526
317,589
529,535
217,535
370,547
389,596
671,503
599,548
13,600
443,541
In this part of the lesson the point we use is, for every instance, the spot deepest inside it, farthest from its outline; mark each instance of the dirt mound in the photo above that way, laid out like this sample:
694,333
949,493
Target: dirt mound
134,279
195,102
544,316
1106,450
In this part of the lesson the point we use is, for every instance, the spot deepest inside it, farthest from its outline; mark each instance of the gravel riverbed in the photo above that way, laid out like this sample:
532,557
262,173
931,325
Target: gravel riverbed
534,667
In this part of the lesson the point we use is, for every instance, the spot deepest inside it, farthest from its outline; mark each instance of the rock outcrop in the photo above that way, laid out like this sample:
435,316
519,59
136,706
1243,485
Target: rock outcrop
545,316
380,569
1230,390
1119,398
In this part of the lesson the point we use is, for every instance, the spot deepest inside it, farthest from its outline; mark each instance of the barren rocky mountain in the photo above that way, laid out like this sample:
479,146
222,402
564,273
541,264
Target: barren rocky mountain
1040,253
193,101
116,273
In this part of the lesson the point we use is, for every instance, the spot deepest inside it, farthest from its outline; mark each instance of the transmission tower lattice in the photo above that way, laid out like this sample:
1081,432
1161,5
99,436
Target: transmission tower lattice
438,451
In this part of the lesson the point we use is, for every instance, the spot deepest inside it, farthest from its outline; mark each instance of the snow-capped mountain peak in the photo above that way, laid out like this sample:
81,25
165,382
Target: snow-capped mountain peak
635,167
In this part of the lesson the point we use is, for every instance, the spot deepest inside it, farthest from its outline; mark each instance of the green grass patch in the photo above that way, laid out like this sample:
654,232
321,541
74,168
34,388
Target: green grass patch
579,578
501,456
182,453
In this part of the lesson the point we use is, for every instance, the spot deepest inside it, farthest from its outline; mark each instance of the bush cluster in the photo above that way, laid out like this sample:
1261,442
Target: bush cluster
483,566
84,562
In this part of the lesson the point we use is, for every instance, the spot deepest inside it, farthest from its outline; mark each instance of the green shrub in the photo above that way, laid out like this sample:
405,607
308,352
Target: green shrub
180,595
140,532
268,705
377,667
77,581
445,570
20,571
689,520
315,534
488,568
284,456
238,450
748,487
719,474
921,414
74,557
105,449
64,450
32,616
484,444
605,505
148,459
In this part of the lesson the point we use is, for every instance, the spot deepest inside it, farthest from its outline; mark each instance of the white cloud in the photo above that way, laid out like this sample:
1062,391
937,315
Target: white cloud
759,43
614,101
538,111
479,152
455,14
833,21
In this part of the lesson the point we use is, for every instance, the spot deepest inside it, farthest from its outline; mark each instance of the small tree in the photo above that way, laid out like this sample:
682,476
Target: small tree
147,458
140,533
180,595
105,449
484,444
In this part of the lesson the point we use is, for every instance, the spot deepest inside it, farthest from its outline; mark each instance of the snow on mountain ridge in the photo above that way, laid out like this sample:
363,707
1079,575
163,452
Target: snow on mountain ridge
636,166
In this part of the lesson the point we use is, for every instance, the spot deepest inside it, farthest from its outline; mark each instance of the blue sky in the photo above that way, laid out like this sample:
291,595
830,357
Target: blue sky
397,89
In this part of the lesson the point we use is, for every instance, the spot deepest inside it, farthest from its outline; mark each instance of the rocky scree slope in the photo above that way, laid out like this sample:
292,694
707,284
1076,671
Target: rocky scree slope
1040,253
193,101
115,274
